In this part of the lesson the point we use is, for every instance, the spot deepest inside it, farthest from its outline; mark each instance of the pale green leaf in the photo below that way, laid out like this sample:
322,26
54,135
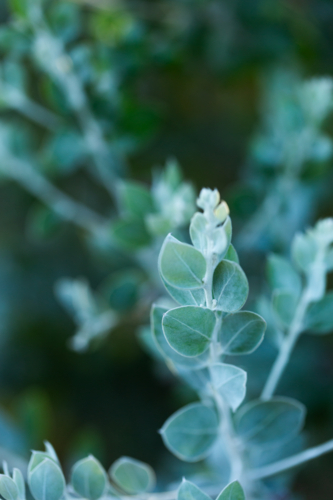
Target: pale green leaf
233,491
36,458
230,382
20,483
46,481
132,476
134,200
130,234
181,265
219,242
241,332
163,346
88,478
267,423
189,491
194,297
198,229
189,329
319,316
284,306
282,275
232,254
191,432
230,286
303,250
8,488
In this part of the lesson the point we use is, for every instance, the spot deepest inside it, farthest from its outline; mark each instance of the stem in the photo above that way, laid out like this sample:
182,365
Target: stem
313,291
59,66
31,109
286,348
290,462
226,424
59,202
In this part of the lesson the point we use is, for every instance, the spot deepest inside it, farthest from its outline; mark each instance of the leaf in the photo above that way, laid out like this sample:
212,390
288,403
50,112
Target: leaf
230,381
303,250
135,200
230,286
189,491
242,332
189,329
19,481
181,265
132,476
194,297
164,348
46,481
282,275
130,234
198,228
284,306
233,491
232,254
319,316
268,423
89,478
8,488
191,432
37,457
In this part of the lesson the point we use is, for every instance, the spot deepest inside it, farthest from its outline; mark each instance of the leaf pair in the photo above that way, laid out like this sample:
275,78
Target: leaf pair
189,491
183,270
192,431
189,331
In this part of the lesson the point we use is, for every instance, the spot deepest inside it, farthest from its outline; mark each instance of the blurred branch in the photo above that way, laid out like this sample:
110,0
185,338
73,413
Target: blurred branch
62,204
30,109
51,55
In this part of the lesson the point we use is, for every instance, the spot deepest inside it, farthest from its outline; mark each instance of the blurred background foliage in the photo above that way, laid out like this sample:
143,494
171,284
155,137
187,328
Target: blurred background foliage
93,92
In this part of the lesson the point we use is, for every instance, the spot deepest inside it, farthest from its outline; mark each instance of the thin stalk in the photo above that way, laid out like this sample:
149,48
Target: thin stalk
62,204
315,283
30,109
290,462
226,424
286,348
61,69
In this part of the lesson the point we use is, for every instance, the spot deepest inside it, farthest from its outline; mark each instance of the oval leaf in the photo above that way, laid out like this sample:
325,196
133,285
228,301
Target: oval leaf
232,254
181,265
319,316
191,432
189,329
284,305
230,286
282,275
134,199
242,332
89,478
189,491
267,423
132,476
46,481
163,346
194,297
198,228
130,233
19,481
233,491
230,381
8,488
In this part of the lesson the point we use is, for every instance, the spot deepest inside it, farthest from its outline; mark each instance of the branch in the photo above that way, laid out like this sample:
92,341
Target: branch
288,463
32,110
62,204
58,65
